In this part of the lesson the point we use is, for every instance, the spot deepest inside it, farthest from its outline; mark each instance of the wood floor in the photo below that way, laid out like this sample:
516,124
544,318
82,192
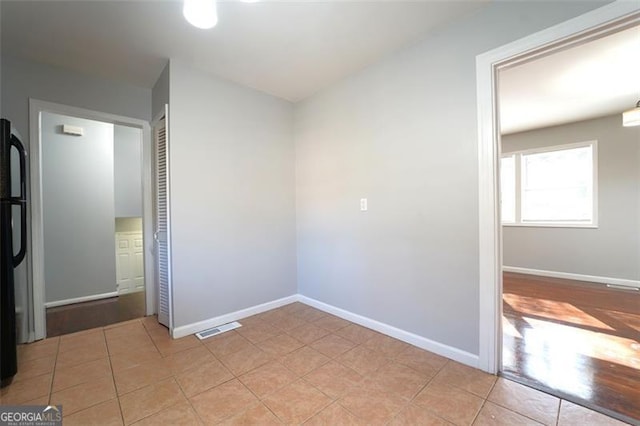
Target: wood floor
83,316
577,339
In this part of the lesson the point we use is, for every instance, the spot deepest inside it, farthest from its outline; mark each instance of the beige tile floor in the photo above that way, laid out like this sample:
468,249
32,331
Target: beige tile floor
291,365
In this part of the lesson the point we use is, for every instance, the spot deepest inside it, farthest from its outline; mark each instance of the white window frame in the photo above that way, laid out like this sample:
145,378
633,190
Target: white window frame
519,186
516,183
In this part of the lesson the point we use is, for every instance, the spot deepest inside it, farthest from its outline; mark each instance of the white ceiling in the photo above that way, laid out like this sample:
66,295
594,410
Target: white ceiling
288,49
588,81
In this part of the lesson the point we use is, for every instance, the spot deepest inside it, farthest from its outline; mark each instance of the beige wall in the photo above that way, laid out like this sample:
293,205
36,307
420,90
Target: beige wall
128,224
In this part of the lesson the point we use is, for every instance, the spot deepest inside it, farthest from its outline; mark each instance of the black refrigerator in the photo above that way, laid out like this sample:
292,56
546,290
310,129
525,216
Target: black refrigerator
11,199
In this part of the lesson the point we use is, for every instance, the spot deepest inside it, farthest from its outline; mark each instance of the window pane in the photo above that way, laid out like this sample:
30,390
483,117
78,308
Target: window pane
508,188
558,185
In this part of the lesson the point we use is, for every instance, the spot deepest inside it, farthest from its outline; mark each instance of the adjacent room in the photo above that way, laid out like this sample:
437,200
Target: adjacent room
94,268
264,212
570,174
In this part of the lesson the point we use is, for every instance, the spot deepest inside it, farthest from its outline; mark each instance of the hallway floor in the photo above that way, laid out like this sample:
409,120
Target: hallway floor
98,313
291,365
579,340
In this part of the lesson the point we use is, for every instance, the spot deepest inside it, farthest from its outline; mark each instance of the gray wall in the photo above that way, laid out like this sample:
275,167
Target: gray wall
613,249
403,133
78,209
127,162
21,80
160,93
232,196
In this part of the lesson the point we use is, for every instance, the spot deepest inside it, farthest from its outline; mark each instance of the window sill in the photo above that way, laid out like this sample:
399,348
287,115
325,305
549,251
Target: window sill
552,225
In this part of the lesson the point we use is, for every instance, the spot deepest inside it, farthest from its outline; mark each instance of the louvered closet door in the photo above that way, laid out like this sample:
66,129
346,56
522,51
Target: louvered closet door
163,228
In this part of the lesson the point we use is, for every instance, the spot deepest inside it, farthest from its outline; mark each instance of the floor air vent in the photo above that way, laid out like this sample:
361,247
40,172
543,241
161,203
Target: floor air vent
218,330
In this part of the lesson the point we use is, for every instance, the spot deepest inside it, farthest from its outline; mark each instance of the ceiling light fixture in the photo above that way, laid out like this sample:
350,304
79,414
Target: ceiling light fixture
201,13
632,116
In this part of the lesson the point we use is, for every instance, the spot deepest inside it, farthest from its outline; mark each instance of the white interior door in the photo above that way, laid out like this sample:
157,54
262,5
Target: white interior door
123,264
137,254
129,262
162,228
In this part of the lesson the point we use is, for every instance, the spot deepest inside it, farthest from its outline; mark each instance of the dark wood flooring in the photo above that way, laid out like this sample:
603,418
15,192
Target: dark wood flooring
83,316
576,339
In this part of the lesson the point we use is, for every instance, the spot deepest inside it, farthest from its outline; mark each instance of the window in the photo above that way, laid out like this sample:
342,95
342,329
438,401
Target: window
553,186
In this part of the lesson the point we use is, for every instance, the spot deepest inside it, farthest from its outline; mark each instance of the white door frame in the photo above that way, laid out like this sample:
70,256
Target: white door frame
36,108
608,19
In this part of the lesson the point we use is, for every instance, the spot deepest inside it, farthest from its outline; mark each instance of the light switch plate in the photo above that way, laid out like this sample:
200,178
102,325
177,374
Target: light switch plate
363,204
72,130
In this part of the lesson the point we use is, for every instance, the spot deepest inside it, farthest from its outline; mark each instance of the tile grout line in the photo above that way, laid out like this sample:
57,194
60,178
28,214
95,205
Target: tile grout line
408,400
299,379
237,378
484,401
152,340
475,417
354,386
186,398
53,376
234,377
172,376
427,385
113,378
277,359
203,391
271,411
345,408
324,407
97,403
512,410
113,372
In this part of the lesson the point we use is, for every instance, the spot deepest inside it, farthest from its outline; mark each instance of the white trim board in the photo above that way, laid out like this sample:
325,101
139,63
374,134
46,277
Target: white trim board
80,299
391,331
570,276
413,339
196,327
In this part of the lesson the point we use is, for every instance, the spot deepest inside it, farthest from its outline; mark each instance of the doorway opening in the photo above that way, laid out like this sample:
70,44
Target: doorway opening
570,199
91,219
565,331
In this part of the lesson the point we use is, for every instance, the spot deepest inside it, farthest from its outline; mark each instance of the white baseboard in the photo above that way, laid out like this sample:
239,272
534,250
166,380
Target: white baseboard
80,299
196,327
132,292
570,276
450,352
